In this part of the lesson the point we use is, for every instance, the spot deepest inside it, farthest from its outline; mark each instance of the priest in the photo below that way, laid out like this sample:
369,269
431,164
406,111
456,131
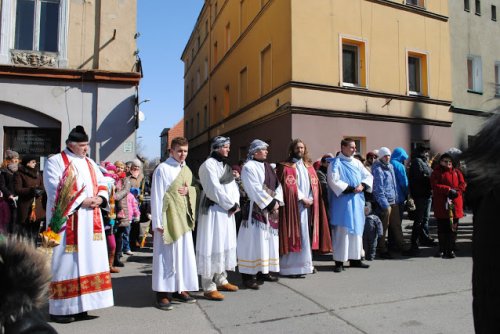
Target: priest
81,280
173,202
347,180
216,231
304,211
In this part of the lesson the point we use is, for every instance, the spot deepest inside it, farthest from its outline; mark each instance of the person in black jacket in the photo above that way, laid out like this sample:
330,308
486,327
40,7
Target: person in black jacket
7,170
420,191
483,178
25,278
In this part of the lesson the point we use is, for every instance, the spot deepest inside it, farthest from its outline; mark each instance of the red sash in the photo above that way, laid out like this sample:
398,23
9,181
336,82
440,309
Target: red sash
72,222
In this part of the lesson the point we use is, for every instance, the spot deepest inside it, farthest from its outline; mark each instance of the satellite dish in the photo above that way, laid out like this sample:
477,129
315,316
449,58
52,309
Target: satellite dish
142,117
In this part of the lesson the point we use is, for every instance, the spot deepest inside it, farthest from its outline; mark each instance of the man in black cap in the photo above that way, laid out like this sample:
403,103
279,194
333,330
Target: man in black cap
80,270
420,191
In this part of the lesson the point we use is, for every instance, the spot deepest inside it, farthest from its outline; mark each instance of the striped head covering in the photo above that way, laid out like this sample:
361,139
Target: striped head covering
219,142
255,146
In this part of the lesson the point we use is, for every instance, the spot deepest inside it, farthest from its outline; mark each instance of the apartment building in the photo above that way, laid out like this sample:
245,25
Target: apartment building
323,70
475,63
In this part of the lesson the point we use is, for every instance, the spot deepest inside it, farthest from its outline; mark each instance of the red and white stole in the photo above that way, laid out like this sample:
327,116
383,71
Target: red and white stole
72,222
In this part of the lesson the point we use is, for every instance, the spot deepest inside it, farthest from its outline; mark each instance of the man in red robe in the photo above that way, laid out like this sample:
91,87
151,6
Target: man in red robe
303,224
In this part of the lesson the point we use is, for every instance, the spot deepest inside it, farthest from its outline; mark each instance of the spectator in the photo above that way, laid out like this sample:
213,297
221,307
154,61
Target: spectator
421,192
28,185
9,167
385,195
372,232
448,187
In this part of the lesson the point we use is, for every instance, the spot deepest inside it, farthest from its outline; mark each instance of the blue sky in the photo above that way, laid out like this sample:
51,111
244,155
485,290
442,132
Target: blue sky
165,27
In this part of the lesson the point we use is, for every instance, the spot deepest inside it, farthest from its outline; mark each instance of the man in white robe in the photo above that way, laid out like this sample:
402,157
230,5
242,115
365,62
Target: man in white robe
81,279
216,230
174,264
297,262
347,179
258,241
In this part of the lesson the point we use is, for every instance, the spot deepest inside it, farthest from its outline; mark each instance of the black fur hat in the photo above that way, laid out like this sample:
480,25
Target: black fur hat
78,135
24,279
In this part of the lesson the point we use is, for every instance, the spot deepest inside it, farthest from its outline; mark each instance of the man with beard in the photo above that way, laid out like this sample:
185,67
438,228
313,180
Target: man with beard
303,211
258,242
348,178
216,231
173,202
80,269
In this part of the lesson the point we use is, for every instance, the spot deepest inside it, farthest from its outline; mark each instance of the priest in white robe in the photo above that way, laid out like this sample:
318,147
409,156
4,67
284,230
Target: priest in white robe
216,230
347,179
81,279
173,201
258,241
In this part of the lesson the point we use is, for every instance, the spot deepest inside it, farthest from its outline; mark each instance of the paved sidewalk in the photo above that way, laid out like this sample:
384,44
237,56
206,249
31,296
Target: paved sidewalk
405,295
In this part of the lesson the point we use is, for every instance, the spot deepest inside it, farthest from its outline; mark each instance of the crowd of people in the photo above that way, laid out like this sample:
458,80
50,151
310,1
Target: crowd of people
266,219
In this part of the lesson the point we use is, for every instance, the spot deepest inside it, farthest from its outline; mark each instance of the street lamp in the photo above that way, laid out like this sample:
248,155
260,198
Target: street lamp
139,116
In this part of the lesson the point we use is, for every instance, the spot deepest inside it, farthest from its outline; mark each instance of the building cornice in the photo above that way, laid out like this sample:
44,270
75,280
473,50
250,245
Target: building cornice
471,112
43,73
287,108
411,9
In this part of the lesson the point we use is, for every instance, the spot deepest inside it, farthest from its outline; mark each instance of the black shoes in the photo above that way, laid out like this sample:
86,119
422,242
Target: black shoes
118,263
339,267
183,297
358,264
62,319
162,302
428,242
251,284
267,278
66,319
449,255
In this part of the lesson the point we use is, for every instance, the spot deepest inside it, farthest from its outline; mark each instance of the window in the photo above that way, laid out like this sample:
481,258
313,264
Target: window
198,79
265,70
198,42
493,12
478,7
215,54
417,74
206,68
467,5
214,104
243,87
205,116
360,144
197,122
206,28
419,3
243,14
216,9
191,129
37,25
497,79
228,36
353,63
227,102
192,54
186,94
186,128
474,74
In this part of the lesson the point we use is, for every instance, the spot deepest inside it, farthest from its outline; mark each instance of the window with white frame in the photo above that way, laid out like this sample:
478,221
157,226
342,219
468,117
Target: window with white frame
474,74
34,26
417,74
497,79
37,25
353,63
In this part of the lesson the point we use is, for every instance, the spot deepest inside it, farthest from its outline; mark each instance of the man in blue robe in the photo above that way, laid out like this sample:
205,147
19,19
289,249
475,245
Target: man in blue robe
347,179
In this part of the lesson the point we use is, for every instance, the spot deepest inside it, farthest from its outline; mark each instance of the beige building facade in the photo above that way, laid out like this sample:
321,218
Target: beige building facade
322,70
65,63
475,60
